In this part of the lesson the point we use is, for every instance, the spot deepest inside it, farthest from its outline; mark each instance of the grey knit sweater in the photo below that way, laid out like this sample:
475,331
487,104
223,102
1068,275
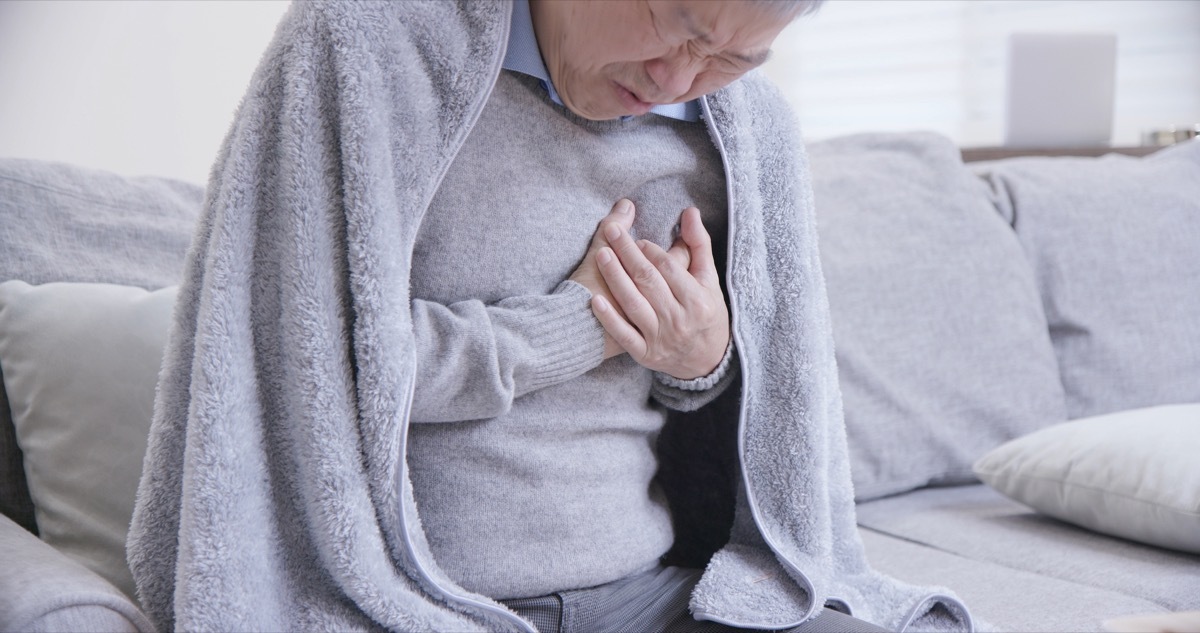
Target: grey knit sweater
539,477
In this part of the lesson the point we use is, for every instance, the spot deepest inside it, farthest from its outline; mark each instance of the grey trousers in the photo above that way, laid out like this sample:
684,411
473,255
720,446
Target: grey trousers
656,600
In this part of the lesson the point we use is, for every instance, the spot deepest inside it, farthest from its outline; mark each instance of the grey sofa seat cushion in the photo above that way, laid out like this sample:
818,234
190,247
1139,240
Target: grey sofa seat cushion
42,589
980,524
1115,243
942,347
67,223
1003,598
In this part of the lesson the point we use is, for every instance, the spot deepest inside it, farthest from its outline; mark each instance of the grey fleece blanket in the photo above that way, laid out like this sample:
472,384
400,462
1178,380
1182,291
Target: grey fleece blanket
275,494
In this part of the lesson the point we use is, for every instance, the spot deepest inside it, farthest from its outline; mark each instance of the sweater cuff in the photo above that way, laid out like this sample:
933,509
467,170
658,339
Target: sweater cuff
567,338
702,383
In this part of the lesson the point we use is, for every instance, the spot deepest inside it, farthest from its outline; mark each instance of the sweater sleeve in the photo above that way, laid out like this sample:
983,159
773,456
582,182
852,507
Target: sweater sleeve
689,395
473,359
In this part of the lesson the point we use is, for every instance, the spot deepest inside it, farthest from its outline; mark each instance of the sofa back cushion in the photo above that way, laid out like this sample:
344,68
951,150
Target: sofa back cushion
67,223
942,347
1115,245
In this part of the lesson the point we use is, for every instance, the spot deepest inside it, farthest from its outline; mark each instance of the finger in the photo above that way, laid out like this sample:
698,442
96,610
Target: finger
644,274
605,291
699,245
628,297
621,214
618,328
678,279
680,253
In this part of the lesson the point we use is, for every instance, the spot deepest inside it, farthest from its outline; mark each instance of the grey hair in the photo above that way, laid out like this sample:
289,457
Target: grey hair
789,8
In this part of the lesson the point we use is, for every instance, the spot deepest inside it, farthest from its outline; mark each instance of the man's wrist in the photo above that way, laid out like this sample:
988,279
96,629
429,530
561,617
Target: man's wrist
702,383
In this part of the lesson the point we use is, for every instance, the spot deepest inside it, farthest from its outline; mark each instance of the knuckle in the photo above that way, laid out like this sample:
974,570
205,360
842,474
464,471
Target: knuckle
644,275
635,309
665,262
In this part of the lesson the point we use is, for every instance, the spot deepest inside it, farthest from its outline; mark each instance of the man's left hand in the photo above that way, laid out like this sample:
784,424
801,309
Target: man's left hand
675,318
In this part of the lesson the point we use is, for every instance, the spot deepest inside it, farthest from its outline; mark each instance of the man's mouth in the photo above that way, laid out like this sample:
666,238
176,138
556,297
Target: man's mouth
631,101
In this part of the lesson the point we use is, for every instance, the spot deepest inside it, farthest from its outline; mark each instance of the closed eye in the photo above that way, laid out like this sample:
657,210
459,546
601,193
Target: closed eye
752,59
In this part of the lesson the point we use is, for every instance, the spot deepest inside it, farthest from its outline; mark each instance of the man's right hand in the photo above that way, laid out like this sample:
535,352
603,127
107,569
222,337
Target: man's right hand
588,273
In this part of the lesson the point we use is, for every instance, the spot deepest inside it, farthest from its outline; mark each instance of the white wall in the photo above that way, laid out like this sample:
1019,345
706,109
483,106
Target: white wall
133,87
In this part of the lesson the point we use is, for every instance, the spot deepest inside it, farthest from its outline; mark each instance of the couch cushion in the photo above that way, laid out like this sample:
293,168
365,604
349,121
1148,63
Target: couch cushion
66,223
980,524
1114,242
43,590
1133,474
1002,598
942,347
80,365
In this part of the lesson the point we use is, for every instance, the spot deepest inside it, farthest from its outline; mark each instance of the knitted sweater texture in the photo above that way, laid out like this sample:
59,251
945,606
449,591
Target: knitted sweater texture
532,461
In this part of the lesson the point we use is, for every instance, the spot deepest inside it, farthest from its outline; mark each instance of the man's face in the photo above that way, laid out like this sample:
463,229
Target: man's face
611,58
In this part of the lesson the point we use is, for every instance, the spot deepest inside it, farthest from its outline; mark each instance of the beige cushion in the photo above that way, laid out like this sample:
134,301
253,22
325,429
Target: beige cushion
1133,474
80,364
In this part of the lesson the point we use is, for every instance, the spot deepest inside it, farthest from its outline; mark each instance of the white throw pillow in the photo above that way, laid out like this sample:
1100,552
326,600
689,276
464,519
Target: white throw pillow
1133,474
80,364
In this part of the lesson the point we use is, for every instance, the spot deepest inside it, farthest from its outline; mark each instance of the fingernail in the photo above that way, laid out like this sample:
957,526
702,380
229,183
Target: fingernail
612,231
601,304
604,256
624,206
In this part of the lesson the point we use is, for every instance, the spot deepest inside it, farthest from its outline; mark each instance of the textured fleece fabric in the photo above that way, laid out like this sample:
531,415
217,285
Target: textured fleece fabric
275,493
532,462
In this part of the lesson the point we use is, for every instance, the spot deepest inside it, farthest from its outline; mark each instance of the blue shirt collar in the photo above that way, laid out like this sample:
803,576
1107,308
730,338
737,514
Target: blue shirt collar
524,57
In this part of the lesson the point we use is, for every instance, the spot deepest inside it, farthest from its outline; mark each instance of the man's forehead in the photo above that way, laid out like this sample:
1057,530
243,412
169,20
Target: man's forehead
701,18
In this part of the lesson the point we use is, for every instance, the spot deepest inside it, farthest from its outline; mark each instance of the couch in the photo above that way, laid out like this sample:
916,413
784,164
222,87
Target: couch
1017,346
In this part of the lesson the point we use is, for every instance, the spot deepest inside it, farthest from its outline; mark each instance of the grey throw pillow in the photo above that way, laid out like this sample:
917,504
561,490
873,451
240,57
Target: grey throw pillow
80,366
66,223
1115,244
942,347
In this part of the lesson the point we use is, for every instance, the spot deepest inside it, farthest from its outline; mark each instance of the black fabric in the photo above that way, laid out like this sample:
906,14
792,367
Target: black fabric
15,502
698,472
656,600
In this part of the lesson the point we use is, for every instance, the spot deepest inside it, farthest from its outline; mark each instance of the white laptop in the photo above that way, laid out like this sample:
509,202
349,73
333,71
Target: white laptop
1060,89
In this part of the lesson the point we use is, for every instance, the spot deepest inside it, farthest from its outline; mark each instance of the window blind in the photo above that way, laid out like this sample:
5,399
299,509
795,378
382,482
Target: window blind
891,65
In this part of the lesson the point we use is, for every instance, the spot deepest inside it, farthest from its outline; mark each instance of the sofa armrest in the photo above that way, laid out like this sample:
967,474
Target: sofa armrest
42,589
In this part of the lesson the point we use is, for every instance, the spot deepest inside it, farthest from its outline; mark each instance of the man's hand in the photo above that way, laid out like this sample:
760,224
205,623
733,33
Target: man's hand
588,273
665,308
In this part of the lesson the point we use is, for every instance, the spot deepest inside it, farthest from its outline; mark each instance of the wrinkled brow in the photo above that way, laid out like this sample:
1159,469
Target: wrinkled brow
689,22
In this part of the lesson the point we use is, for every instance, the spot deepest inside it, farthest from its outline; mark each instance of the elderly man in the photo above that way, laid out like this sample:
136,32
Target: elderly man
531,454
456,264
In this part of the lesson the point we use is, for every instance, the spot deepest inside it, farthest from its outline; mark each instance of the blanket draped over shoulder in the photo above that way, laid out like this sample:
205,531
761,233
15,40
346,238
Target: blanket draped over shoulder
275,494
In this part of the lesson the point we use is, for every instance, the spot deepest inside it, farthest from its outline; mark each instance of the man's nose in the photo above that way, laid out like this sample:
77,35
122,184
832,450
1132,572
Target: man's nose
673,74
